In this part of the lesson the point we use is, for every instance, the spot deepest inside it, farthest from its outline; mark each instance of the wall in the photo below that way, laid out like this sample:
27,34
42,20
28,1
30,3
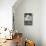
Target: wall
6,13
30,31
43,22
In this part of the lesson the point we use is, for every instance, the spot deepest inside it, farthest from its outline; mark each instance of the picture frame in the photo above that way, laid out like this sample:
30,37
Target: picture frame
28,19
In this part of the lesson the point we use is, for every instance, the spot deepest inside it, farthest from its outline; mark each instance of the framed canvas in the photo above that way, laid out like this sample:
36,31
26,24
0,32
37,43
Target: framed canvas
28,18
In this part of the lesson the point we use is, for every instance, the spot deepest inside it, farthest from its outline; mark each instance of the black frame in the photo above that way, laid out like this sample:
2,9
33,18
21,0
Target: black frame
29,18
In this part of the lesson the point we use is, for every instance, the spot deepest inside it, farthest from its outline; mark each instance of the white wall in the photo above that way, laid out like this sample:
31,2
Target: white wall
6,13
31,31
43,22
